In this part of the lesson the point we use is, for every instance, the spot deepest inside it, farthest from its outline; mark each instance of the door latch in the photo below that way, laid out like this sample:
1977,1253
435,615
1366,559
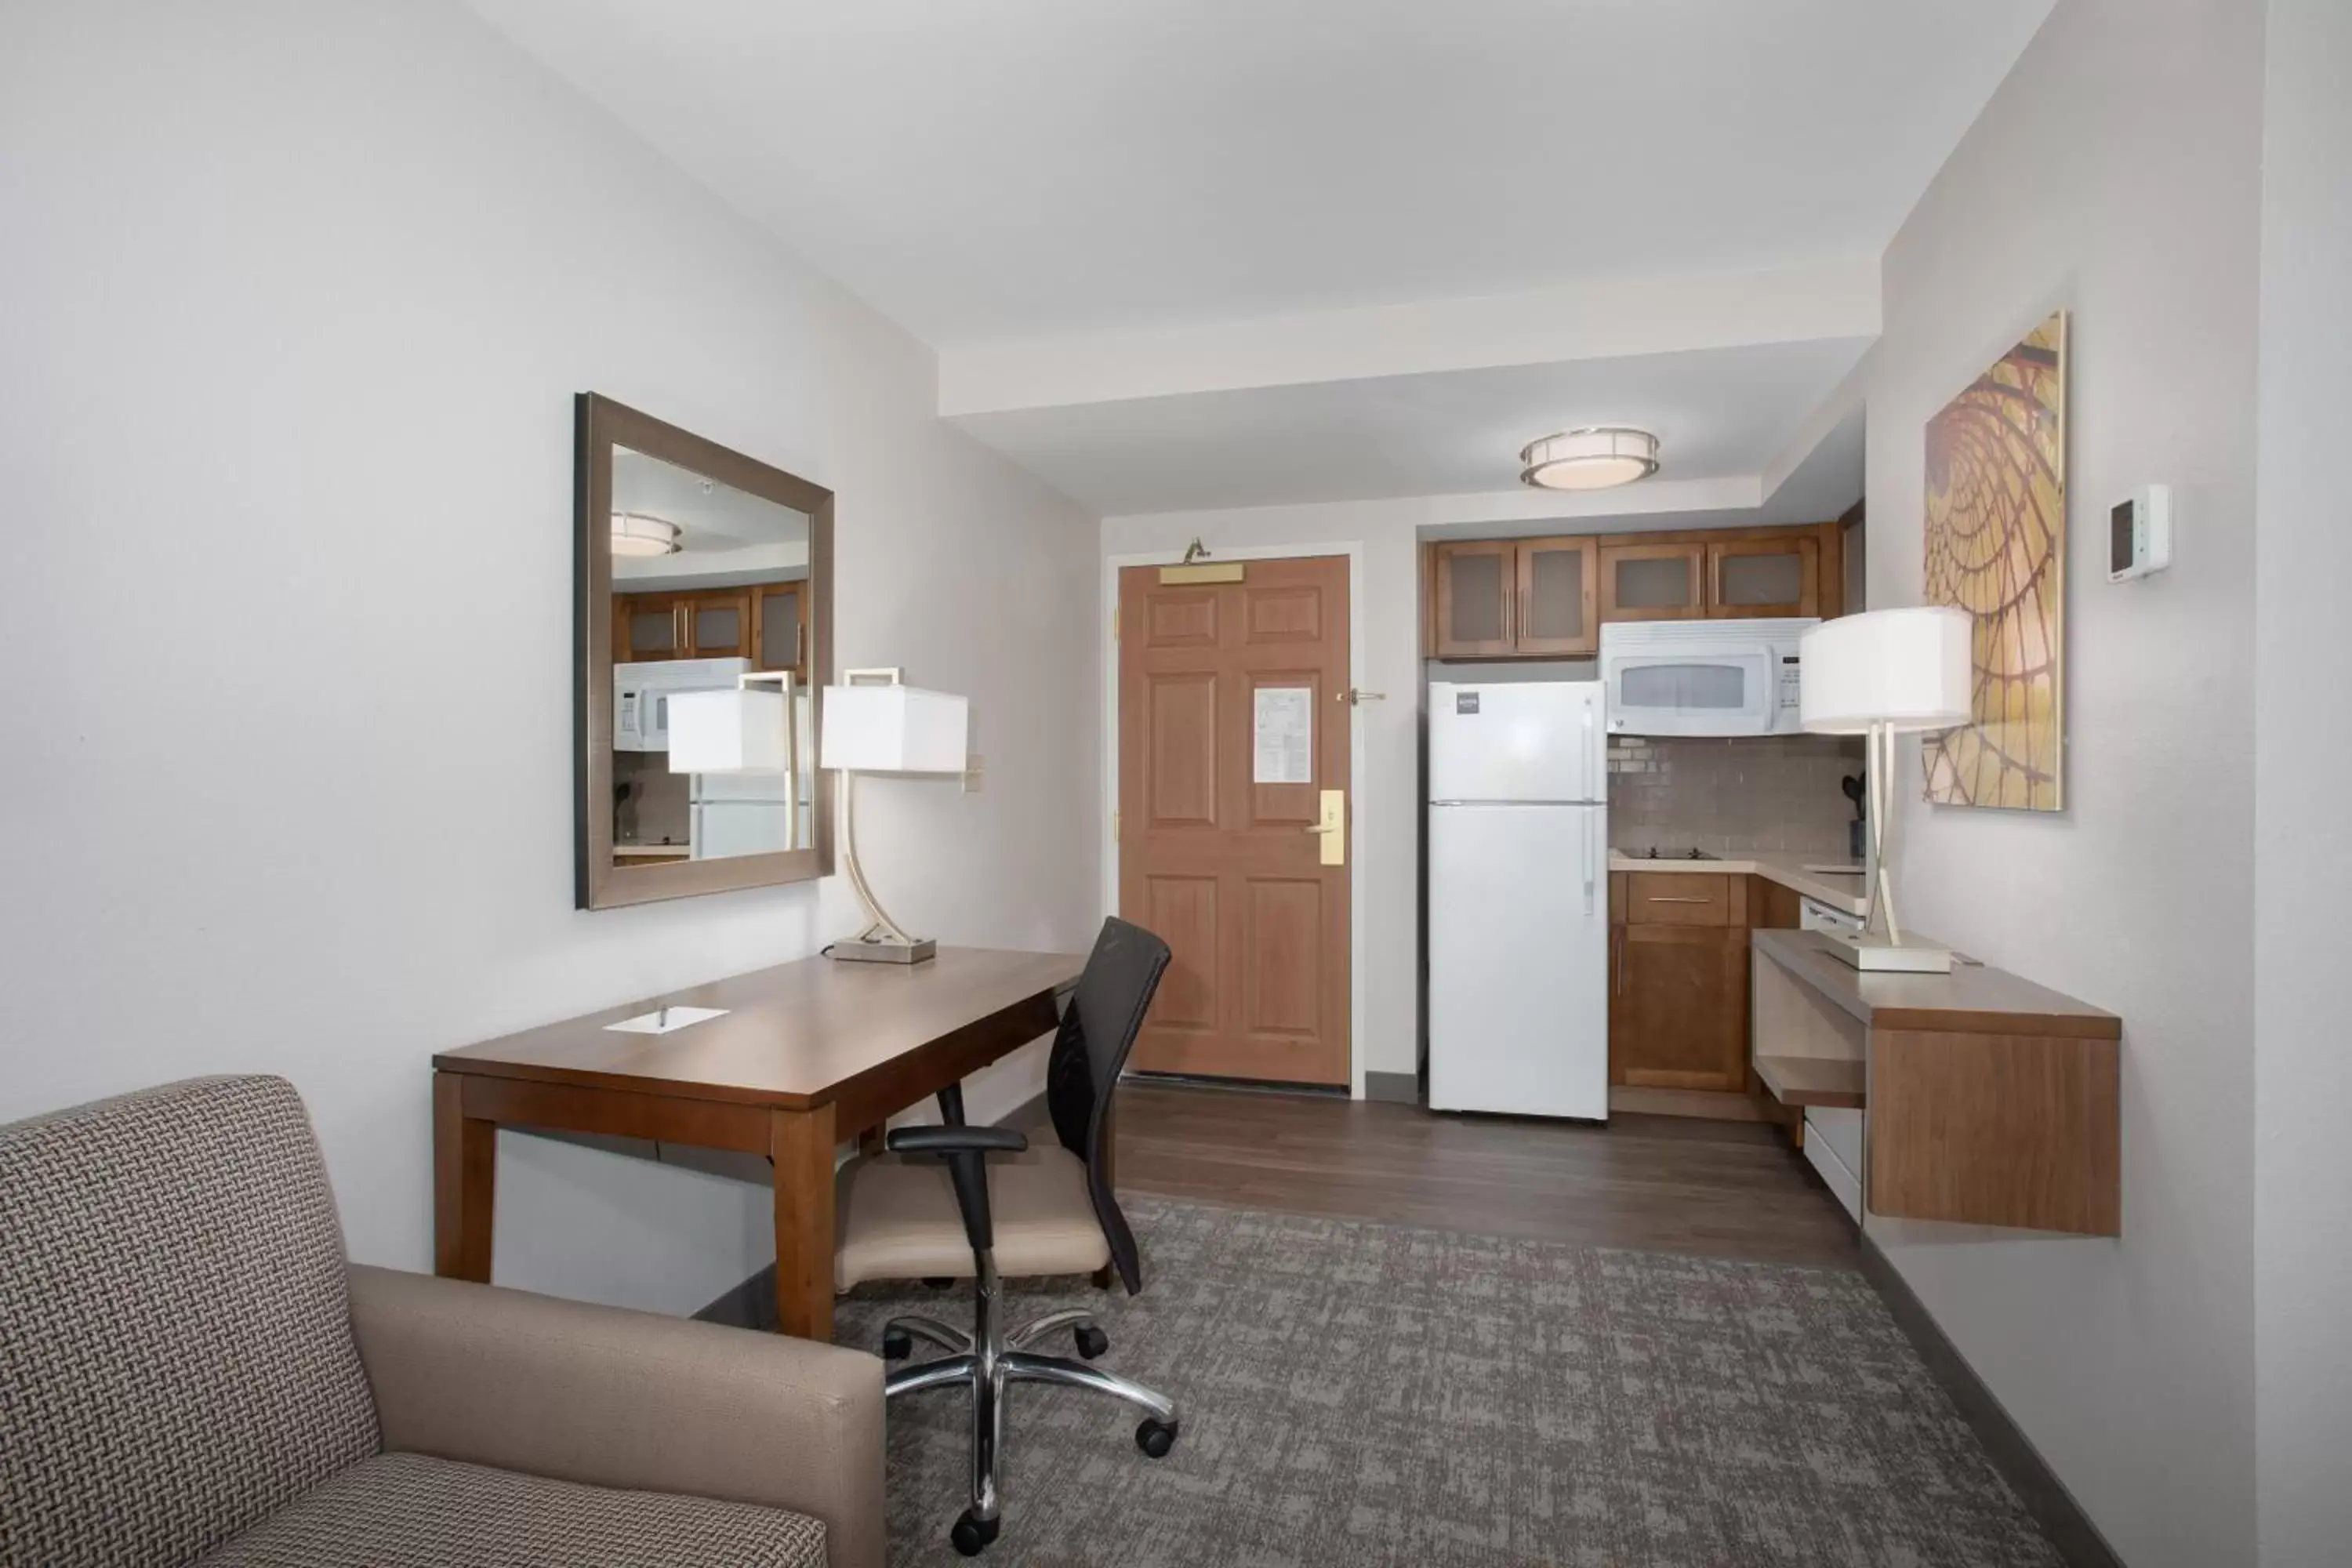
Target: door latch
1332,827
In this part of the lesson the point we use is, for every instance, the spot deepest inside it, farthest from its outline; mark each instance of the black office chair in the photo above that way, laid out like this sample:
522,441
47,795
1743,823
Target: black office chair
992,1206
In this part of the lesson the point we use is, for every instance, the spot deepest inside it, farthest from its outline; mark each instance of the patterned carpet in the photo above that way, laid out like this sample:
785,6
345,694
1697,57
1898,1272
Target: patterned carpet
1358,1393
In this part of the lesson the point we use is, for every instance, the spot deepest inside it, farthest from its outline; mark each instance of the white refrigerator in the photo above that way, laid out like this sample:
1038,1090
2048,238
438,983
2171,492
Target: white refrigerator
1518,898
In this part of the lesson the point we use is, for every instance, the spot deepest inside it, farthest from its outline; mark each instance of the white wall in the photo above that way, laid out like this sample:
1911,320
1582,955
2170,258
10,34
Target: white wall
2303,755
300,291
2116,173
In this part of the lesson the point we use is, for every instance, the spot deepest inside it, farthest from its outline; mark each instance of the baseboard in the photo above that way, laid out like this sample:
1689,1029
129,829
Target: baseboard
2037,1486
752,1304
1393,1088
1704,1104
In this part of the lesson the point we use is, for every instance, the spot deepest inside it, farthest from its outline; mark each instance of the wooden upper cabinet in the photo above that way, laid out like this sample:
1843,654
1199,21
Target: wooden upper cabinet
1475,589
1547,598
1559,607
1652,582
710,623
1764,576
719,623
647,627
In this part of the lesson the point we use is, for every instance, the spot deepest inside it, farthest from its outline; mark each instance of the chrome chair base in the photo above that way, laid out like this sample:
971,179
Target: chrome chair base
986,1360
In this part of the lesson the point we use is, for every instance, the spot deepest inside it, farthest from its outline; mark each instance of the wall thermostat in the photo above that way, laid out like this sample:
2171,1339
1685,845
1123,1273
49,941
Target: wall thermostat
2139,533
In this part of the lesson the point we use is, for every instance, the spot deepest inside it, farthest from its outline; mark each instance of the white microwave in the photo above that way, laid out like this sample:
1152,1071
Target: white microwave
641,694
1701,677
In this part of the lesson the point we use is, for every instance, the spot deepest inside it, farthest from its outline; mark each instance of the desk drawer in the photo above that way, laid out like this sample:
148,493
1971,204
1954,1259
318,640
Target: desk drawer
1680,899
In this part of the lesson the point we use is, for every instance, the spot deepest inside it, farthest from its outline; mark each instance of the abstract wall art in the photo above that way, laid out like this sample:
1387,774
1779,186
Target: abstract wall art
1996,547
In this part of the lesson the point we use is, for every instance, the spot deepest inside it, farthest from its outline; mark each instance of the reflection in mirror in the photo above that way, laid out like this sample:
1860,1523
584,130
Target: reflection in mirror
710,592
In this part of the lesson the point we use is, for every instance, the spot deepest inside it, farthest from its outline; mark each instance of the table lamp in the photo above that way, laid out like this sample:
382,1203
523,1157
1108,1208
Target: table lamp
875,725
1881,674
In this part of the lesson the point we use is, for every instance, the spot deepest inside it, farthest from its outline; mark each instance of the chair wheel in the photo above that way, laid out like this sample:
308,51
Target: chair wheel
1092,1341
897,1345
971,1536
1155,1437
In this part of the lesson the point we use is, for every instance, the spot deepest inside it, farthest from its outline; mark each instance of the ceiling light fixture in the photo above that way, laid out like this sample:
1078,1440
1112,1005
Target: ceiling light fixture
636,533
1592,459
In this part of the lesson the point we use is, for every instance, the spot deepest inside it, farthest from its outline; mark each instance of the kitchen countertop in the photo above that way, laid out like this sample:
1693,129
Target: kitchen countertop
1840,893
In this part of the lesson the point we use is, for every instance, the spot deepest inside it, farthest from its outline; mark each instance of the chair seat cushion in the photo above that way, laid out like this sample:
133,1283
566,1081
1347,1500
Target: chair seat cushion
898,1218
409,1510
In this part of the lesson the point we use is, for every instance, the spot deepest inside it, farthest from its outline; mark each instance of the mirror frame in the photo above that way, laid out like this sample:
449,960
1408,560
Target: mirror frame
599,424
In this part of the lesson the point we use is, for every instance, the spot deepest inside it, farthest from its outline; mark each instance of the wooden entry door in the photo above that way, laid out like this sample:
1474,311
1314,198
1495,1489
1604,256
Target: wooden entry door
1219,795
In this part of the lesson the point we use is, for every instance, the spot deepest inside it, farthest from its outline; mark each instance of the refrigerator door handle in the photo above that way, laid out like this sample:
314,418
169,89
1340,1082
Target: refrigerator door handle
1591,789
1589,816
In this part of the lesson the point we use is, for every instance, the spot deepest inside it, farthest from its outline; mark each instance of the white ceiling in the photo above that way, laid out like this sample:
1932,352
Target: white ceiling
986,172
1718,414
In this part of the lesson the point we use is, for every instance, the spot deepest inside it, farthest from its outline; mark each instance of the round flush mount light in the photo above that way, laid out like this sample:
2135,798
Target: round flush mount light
636,533
1592,459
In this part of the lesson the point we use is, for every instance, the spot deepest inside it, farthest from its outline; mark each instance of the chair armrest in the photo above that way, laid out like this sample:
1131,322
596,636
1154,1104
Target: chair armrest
955,1141
967,1149
626,1399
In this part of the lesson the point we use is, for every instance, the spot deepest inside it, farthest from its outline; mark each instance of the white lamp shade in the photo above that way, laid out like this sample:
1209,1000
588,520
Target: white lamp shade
1908,669
728,731
893,730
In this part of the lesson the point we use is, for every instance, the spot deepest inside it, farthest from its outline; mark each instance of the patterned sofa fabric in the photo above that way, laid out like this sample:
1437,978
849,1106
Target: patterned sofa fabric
177,1359
405,1510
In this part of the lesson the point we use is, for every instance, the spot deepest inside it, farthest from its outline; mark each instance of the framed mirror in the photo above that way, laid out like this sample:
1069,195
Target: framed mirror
697,570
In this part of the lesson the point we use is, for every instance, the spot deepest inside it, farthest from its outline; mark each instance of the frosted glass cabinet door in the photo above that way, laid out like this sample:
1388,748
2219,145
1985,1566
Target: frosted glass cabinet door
1475,592
722,624
1764,577
1652,582
647,627
1558,597
778,619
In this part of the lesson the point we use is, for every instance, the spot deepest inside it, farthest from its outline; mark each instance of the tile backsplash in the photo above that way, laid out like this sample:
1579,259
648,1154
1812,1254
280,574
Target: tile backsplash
1767,793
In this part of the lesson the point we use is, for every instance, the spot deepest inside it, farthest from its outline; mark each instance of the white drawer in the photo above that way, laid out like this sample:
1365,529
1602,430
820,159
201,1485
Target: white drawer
1834,1170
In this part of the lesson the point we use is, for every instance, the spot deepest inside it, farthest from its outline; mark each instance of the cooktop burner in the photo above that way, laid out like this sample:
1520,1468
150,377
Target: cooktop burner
1655,853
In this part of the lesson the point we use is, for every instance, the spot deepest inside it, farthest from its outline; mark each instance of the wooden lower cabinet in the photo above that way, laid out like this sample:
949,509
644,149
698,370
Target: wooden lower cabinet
1678,1007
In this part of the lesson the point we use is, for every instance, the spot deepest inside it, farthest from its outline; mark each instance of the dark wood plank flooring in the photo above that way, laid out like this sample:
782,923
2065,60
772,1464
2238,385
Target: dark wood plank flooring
1660,1183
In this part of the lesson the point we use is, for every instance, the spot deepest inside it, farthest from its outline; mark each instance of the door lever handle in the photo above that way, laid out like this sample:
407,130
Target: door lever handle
1320,827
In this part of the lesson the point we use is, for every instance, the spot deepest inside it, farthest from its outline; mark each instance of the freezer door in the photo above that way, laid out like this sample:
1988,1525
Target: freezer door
1518,960
1532,741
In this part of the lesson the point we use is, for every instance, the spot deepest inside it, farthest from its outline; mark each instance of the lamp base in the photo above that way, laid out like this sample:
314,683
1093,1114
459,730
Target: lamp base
856,951
1874,953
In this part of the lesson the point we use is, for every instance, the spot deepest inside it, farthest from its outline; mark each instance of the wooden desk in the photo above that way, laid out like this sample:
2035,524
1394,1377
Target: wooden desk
1992,1101
808,1054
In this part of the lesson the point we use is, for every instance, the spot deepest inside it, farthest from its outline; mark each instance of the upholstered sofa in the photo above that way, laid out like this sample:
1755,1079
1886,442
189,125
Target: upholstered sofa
191,1373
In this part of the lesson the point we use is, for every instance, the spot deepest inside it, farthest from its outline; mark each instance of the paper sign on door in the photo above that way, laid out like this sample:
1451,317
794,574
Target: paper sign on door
1286,735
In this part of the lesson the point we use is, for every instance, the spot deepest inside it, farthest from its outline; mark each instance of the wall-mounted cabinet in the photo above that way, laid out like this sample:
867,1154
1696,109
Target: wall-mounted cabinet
1547,598
1472,586
1761,577
1516,598
1652,582
762,623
